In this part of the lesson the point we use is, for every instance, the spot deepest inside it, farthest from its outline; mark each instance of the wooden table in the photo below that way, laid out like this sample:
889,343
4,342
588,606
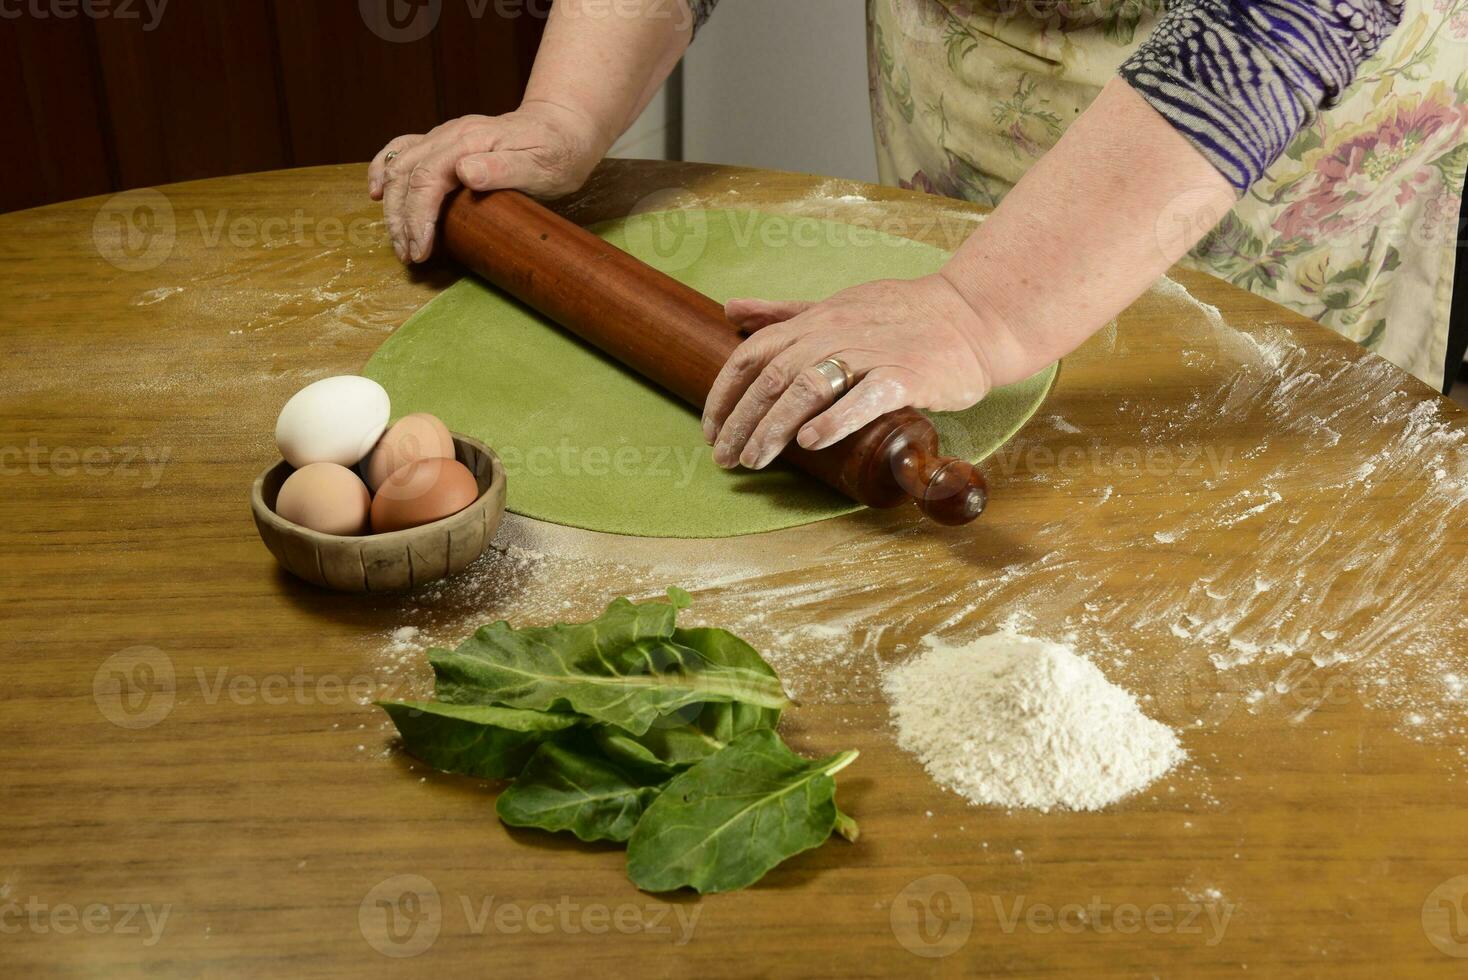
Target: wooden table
1254,525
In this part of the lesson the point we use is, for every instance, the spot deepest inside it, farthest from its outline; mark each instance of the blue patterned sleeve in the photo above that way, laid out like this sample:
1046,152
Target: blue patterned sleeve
1240,79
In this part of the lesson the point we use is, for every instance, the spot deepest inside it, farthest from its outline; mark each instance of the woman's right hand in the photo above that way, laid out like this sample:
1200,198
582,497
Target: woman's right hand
541,148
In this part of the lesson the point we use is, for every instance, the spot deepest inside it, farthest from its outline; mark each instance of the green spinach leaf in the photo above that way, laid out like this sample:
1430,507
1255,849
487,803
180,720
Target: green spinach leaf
631,729
625,668
689,735
474,739
732,817
564,787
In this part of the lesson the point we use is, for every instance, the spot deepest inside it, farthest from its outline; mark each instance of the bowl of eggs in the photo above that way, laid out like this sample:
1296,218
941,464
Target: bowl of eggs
361,505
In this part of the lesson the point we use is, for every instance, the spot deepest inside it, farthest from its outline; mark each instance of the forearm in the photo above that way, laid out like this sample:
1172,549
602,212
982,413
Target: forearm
605,62
1118,200
1209,101
1073,244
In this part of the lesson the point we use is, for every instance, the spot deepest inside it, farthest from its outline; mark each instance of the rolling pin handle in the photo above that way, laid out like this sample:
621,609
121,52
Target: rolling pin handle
956,494
948,490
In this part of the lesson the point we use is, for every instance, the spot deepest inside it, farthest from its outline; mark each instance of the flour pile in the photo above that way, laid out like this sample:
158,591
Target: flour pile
1012,721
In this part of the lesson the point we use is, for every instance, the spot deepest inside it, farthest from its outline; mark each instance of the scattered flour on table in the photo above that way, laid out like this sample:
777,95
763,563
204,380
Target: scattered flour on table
405,638
1011,721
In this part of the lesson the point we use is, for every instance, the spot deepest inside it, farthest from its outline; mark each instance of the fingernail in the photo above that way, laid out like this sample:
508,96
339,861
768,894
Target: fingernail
398,250
475,172
750,458
723,457
807,438
708,431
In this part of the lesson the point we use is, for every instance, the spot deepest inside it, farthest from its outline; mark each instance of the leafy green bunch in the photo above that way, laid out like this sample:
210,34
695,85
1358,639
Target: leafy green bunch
628,728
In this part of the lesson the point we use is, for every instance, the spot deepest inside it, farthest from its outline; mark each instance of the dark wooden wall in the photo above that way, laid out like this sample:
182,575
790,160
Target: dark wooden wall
97,104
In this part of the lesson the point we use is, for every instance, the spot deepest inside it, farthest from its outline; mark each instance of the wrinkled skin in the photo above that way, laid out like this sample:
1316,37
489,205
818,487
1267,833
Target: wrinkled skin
908,343
542,148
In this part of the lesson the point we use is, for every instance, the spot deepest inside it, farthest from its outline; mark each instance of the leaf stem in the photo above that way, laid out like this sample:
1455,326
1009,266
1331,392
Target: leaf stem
841,762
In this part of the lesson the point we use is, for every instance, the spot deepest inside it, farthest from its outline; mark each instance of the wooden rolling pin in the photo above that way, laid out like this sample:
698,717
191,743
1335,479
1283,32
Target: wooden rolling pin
679,338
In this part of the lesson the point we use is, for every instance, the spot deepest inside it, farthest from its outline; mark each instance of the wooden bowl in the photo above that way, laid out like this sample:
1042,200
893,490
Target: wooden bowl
388,562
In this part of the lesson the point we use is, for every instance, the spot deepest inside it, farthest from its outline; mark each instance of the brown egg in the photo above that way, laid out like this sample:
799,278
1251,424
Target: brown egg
325,497
411,438
421,493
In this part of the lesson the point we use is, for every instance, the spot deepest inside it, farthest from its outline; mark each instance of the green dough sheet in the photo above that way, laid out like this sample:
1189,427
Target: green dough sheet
588,443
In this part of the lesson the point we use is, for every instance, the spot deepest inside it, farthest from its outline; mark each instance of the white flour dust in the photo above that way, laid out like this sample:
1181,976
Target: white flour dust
1011,721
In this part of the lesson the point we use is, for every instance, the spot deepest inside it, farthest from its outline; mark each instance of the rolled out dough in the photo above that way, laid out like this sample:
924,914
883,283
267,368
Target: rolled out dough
586,442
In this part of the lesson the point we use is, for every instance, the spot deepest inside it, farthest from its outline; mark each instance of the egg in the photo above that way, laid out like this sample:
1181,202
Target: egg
411,438
421,493
335,420
325,497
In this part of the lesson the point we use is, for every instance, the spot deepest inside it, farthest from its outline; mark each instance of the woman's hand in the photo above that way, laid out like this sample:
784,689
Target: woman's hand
907,342
542,148
1083,234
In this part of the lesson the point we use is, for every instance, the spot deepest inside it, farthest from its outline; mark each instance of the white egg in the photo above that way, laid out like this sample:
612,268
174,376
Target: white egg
336,420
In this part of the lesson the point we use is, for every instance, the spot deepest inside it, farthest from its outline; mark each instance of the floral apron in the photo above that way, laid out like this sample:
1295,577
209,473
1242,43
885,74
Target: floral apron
1355,226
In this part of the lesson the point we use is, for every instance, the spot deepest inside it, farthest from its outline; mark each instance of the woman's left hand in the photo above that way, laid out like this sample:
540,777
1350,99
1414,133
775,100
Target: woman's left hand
906,342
